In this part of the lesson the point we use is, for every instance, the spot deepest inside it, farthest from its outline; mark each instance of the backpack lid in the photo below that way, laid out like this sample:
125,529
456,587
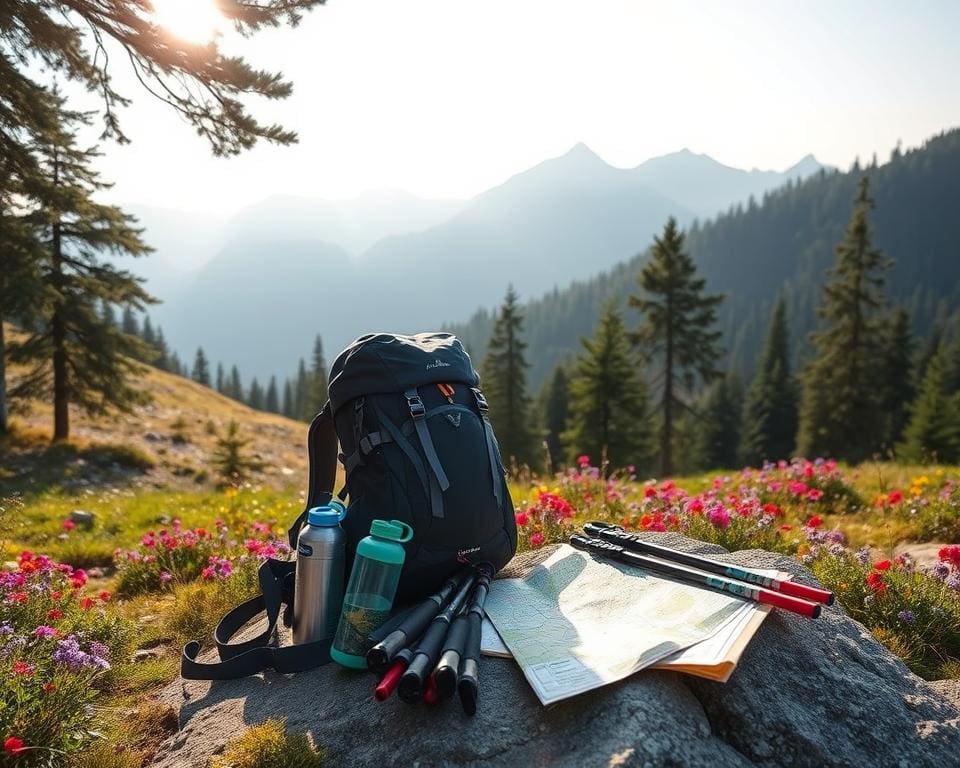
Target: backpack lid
386,362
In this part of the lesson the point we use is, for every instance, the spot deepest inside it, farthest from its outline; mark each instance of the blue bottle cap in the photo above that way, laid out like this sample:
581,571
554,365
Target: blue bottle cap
328,515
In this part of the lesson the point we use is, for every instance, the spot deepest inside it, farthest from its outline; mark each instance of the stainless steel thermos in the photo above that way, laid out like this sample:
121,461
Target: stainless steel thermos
321,567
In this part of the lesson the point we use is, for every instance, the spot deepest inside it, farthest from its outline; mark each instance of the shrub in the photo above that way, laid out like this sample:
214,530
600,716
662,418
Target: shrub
268,745
55,649
105,454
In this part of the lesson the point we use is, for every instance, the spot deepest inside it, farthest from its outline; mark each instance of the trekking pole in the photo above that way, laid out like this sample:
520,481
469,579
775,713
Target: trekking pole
447,669
412,626
633,543
388,683
698,578
428,649
469,673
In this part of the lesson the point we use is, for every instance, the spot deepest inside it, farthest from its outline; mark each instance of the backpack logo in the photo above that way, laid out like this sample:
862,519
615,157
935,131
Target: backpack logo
463,554
438,363
453,418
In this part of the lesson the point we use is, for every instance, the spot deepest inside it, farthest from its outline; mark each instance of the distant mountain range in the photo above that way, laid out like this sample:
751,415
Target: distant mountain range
253,289
783,245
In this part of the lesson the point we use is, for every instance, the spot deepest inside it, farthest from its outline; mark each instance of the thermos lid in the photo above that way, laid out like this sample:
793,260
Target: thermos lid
393,530
328,515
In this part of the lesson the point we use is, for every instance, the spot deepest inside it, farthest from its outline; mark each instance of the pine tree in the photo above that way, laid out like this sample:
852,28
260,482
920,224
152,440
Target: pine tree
841,405
608,399
255,398
897,385
271,401
201,368
505,384
146,332
677,329
719,434
301,392
176,366
221,378
235,385
71,351
200,82
163,353
287,399
933,432
108,314
130,325
318,381
769,428
230,458
21,288
556,411
927,351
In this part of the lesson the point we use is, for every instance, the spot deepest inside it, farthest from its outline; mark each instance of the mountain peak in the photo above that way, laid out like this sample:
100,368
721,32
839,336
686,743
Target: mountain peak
806,166
582,153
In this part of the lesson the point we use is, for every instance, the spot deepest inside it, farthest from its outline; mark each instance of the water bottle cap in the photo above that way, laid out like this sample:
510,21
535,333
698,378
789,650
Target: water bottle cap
328,515
392,530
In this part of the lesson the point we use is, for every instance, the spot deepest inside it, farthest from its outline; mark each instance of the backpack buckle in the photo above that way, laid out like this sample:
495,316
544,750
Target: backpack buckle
481,401
417,409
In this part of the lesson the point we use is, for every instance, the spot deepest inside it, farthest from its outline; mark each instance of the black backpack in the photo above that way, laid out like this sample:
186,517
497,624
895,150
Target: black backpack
417,445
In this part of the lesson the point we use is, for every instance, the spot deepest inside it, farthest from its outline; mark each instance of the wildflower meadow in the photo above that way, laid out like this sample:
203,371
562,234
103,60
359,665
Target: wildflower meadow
80,644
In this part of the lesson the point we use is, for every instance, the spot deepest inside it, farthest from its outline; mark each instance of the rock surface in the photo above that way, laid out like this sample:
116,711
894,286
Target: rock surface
806,693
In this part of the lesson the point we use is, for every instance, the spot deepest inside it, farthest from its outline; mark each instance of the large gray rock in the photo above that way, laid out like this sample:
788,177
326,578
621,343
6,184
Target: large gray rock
806,693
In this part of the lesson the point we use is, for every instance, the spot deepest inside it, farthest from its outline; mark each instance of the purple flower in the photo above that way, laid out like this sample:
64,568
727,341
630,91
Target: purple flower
941,570
836,537
99,650
907,617
6,628
836,549
863,556
70,655
953,580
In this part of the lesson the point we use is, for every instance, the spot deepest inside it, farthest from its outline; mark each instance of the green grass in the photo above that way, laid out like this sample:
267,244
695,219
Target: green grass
121,517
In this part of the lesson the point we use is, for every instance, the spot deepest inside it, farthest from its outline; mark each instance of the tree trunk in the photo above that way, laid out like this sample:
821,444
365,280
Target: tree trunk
3,380
61,386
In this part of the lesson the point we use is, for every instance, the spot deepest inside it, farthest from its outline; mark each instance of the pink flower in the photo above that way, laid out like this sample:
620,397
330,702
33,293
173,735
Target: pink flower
522,518
165,577
148,540
536,540
44,631
814,494
68,524
719,516
896,496
797,488
209,572
583,461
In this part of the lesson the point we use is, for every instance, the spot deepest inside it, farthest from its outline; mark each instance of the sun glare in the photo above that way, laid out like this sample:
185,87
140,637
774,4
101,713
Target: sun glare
196,21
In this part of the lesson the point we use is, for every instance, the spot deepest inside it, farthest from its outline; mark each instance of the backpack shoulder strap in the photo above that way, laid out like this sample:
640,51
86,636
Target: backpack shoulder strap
249,657
322,469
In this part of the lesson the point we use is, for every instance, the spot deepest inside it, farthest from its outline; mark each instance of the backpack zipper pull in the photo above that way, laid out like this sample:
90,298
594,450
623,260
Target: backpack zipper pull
447,391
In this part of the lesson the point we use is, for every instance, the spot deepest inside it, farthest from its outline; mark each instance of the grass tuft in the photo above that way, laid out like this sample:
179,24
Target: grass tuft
268,745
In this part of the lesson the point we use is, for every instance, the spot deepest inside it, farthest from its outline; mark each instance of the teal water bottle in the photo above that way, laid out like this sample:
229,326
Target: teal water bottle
370,591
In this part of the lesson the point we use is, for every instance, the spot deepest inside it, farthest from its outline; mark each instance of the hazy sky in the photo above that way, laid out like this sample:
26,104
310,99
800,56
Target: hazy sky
445,98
